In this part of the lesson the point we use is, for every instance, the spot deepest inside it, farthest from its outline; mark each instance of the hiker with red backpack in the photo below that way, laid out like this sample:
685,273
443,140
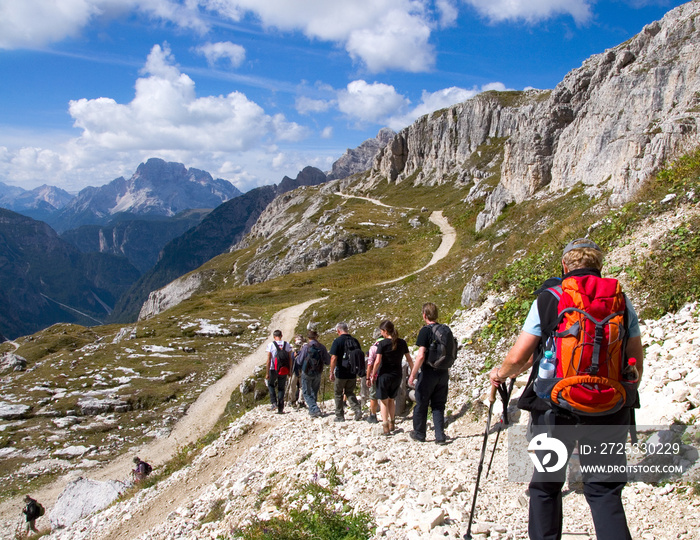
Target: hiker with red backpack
277,368
581,336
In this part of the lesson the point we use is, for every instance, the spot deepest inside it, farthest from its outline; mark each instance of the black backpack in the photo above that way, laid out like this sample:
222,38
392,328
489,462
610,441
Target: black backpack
354,358
442,352
40,511
145,468
282,359
313,362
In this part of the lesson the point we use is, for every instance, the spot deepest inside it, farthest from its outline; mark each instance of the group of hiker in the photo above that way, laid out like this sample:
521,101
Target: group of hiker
582,340
381,369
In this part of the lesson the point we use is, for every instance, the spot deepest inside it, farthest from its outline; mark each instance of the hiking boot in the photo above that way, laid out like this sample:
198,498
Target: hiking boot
416,436
280,409
273,407
315,414
372,419
340,419
442,441
358,415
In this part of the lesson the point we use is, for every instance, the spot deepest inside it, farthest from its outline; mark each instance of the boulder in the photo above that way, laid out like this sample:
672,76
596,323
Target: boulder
81,498
13,411
91,406
12,362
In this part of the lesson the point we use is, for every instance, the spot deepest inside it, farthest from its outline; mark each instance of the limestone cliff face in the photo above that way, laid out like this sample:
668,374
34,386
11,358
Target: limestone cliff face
608,125
171,295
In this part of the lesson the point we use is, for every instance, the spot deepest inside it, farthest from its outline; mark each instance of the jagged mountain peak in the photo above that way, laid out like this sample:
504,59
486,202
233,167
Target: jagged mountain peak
158,187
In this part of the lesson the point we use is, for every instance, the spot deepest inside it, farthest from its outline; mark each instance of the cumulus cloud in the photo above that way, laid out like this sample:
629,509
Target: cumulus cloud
306,105
214,52
35,23
166,119
448,12
399,40
382,34
166,114
433,101
532,10
374,102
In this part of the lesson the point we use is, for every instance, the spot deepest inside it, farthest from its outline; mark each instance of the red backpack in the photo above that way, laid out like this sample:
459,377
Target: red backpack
589,347
282,359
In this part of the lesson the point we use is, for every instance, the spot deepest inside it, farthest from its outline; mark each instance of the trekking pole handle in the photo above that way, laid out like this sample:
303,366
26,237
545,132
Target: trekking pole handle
492,396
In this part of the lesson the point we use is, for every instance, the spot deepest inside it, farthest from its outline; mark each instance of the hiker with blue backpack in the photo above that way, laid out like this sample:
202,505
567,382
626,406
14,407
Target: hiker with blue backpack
347,363
583,339
437,351
310,361
387,372
277,368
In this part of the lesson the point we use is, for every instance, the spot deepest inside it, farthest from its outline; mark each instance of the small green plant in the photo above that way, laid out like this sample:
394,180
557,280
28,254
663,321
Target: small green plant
216,513
327,517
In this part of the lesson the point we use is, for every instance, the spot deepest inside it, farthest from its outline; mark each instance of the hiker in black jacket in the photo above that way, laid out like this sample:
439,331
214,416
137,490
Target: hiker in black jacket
31,512
431,384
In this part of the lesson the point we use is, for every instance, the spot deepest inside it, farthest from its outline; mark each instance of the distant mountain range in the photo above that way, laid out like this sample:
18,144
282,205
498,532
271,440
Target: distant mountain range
38,203
157,188
47,280
132,235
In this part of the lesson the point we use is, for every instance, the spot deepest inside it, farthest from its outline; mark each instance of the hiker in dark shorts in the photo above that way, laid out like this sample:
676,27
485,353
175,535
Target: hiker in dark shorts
31,512
387,372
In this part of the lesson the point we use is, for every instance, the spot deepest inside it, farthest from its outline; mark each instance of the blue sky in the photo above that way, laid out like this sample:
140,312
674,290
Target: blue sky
252,90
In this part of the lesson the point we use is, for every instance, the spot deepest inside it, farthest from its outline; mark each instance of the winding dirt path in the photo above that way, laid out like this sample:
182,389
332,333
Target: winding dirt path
200,418
449,235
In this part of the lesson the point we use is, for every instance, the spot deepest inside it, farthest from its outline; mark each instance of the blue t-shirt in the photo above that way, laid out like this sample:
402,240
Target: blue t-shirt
532,322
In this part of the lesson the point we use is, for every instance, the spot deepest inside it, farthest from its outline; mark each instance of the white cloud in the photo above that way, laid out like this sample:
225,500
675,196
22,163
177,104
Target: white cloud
327,132
166,114
305,105
164,119
433,101
214,52
448,12
399,40
370,102
383,34
35,23
532,10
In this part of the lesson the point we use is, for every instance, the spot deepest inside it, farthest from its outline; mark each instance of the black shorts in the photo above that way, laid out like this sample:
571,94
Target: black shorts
388,386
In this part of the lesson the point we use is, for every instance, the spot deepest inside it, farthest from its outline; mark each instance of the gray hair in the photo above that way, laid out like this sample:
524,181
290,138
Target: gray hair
342,326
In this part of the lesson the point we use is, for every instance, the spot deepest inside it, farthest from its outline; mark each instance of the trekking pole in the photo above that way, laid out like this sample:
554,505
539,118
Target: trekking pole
503,423
323,401
492,399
